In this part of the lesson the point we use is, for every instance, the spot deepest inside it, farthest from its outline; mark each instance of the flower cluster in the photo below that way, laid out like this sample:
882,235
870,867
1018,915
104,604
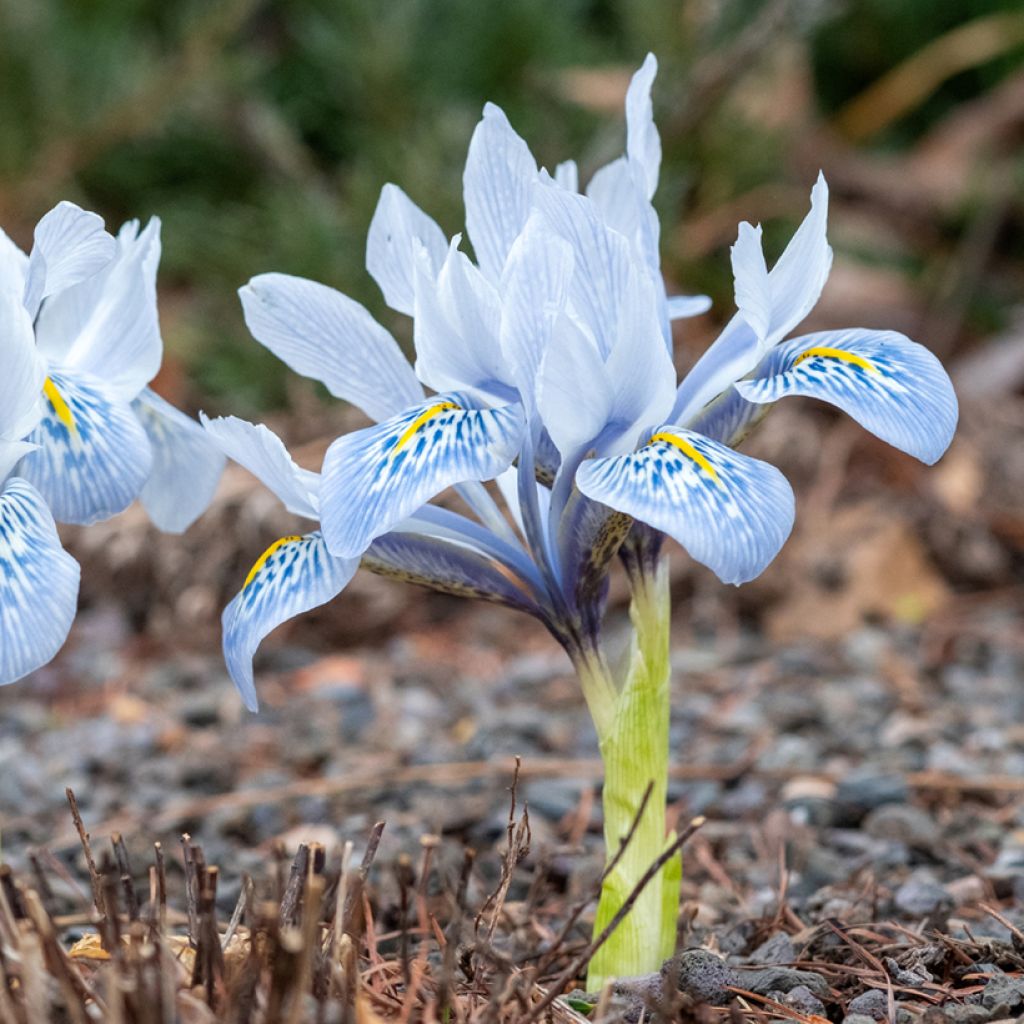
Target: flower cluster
545,367
81,434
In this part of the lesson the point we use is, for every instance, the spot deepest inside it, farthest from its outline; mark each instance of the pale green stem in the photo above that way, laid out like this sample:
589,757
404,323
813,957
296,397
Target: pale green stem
634,746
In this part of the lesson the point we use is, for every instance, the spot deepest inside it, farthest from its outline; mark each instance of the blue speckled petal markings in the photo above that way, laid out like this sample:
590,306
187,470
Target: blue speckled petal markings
889,384
374,478
93,457
38,583
730,512
294,575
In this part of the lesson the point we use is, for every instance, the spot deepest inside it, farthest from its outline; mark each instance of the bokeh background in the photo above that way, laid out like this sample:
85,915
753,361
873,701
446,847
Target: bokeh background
261,133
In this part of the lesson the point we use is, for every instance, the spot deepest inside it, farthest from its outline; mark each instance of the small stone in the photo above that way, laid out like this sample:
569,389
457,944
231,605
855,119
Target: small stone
873,1004
965,1013
1004,993
782,979
778,949
858,1018
968,889
801,999
903,823
921,896
702,975
864,792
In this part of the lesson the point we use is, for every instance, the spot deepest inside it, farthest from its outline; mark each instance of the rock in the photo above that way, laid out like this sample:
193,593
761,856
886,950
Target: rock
964,1013
782,979
873,1004
861,793
801,999
921,896
858,1018
702,975
903,823
1003,993
777,949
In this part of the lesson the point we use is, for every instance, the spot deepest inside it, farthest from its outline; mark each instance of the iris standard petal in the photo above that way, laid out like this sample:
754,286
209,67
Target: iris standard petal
643,144
13,267
447,567
457,330
187,465
294,575
534,288
682,306
38,583
21,382
889,384
374,478
323,334
70,244
791,289
258,449
107,325
496,188
93,456
398,230
730,512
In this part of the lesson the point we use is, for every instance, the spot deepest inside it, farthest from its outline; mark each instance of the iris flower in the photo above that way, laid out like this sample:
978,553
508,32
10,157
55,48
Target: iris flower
81,434
548,370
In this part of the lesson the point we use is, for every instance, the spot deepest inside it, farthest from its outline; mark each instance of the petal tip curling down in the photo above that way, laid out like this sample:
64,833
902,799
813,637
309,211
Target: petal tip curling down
294,575
892,386
730,512
38,584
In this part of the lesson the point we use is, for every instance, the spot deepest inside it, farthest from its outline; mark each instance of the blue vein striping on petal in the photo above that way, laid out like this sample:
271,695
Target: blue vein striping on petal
93,456
731,513
892,386
38,583
294,575
376,477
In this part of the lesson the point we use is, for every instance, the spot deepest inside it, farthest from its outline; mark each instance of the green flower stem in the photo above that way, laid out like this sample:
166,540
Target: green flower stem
634,746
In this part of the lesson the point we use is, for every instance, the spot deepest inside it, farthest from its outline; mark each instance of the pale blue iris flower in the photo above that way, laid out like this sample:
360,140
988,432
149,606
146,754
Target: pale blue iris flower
81,434
549,369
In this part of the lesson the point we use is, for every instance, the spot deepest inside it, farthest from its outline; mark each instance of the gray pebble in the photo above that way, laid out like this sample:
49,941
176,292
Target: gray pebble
903,823
1003,993
873,1004
801,999
702,975
922,896
782,979
777,949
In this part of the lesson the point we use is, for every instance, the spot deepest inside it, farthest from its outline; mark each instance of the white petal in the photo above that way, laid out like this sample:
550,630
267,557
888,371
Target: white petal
93,456
21,382
534,289
456,330
750,274
375,478
398,230
38,584
294,575
496,186
262,452
107,325
730,512
323,334
889,384
187,465
643,144
70,245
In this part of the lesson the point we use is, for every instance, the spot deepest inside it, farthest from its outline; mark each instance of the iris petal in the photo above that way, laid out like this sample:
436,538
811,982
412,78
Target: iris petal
374,478
38,583
294,575
446,567
93,456
730,512
889,384
187,466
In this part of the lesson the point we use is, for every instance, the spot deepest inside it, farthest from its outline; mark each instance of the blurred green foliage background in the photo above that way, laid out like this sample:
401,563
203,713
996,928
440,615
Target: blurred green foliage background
261,131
